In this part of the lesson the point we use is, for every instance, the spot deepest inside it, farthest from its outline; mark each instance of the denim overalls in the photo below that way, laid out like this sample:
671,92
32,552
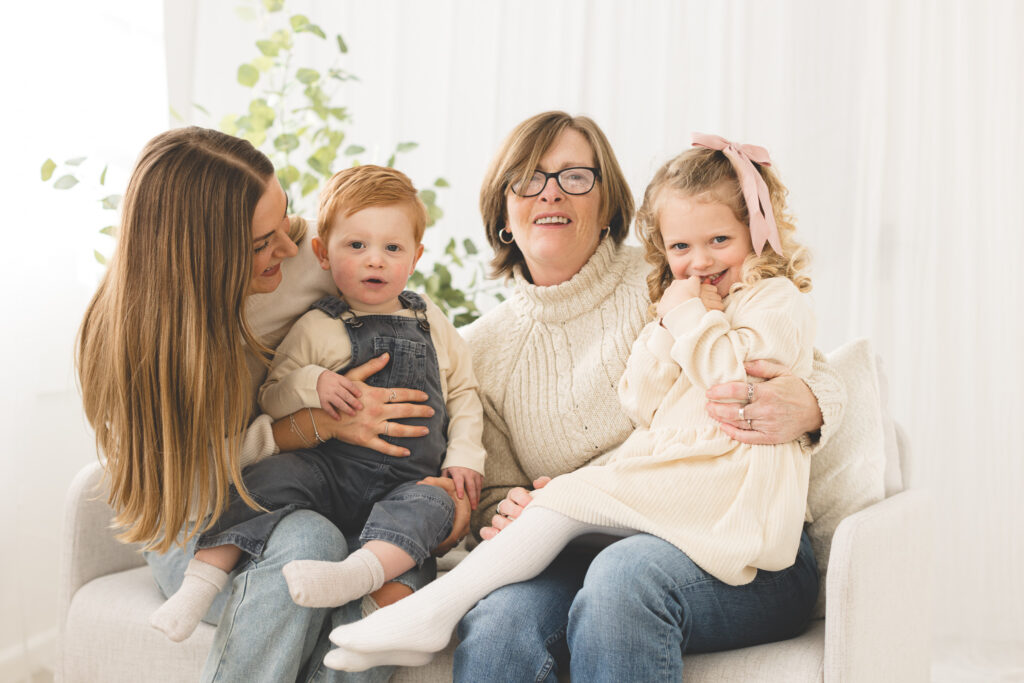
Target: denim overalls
358,489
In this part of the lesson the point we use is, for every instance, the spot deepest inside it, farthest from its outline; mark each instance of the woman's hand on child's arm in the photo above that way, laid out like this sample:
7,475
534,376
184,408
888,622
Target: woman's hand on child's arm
782,409
337,393
460,523
511,507
466,481
677,292
381,407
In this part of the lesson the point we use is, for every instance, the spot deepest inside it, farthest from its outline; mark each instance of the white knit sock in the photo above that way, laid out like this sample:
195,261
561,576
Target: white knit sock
179,616
313,583
408,632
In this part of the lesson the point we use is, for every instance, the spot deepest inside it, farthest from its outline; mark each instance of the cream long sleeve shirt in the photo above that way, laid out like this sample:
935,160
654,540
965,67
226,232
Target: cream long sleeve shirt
318,343
549,360
731,507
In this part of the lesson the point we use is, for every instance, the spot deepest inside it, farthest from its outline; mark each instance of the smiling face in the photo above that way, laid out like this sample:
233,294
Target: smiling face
371,255
271,244
703,238
557,232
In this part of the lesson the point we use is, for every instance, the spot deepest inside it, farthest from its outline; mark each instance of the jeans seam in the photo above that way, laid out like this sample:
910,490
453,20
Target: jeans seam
227,636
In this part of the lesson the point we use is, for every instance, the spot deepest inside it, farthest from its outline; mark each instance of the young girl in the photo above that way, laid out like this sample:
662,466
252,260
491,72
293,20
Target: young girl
732,508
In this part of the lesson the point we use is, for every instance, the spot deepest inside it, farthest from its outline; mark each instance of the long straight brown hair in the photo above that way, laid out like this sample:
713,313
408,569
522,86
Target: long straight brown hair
162,349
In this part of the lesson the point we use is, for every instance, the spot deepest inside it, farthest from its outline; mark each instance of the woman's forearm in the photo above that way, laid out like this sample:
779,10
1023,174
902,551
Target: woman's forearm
299,430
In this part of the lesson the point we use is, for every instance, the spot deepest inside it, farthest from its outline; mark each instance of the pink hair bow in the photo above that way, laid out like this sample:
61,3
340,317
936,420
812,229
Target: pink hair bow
755,190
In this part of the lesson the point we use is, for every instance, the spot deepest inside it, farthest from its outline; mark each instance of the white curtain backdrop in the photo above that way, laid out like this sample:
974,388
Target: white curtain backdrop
897,126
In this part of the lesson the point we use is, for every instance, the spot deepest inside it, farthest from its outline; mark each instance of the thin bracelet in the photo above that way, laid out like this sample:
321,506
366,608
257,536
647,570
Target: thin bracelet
298,432
315,432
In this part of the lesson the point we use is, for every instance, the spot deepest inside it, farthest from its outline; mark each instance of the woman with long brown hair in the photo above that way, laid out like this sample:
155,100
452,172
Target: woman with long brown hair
172,350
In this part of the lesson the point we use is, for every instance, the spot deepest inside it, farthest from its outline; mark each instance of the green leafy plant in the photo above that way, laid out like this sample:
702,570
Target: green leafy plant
295,118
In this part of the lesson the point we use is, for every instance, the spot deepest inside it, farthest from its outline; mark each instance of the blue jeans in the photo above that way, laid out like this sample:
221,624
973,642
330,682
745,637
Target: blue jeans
261,634
628,614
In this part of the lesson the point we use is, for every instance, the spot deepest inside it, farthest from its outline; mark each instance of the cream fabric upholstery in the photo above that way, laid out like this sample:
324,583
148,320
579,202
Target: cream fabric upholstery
875,628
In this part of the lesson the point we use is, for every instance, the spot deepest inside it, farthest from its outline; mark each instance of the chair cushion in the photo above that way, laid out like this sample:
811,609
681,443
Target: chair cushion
848,473
108,638
798,660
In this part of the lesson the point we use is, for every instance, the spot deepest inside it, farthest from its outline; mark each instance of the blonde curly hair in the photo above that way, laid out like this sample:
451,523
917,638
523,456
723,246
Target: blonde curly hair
708,175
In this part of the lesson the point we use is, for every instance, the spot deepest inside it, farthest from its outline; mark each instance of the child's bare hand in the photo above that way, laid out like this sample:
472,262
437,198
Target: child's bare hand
678,292
337,394
711,299
466,481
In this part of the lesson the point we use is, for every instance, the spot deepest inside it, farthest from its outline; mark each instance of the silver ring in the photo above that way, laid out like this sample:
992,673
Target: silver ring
750,393
391,398
741,418
387,425
750,425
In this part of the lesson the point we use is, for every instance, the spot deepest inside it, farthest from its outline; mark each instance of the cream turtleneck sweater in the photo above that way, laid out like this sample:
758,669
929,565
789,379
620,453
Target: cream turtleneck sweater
548,361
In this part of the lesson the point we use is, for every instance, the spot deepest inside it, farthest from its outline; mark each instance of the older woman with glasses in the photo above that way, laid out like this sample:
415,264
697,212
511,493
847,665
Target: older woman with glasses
557,208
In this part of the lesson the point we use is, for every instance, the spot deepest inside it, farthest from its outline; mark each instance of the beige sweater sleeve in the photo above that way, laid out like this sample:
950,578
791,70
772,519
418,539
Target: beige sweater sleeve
462,399
650,373
771,320
316,343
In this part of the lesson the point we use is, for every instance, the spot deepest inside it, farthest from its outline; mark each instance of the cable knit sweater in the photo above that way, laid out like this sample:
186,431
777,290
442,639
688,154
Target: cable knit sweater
548,361
731,507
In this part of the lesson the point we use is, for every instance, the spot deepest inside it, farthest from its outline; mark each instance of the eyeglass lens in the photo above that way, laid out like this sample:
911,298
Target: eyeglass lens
572,181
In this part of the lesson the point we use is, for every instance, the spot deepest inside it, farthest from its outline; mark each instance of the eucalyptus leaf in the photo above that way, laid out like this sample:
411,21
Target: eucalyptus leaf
391,161
111,201
307,76
77,161
273,5
441,182
245,13
268,47
342,47
248,75
201,108
99,257
66,182
288,174
286,142
103,176
470,247
175,115
46,172
428,196
263,64
354,149
407,146
109,230
309,183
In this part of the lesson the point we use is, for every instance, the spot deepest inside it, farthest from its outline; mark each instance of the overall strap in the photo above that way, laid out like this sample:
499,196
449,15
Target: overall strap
336,307
415,303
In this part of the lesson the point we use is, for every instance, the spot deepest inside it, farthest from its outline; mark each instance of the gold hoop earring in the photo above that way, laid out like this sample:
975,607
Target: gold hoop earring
501,237
604,232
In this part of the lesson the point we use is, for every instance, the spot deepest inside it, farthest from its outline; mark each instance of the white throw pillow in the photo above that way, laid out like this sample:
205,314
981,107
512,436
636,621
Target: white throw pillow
848,473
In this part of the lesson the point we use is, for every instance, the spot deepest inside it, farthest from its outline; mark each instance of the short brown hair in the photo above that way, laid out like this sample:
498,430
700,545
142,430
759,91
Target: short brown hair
517,160
361,187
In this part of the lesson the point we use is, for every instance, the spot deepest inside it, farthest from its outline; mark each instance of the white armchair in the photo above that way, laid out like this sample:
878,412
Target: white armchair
877,588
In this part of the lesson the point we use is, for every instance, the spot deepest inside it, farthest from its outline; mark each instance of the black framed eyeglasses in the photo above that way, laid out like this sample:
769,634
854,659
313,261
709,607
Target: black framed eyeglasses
575,180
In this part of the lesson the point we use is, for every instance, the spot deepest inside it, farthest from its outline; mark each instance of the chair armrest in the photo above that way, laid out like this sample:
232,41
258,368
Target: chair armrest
878,592
88,546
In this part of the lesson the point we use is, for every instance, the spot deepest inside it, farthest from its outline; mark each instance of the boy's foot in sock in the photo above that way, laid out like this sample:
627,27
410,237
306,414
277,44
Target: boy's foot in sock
178,617
313,583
